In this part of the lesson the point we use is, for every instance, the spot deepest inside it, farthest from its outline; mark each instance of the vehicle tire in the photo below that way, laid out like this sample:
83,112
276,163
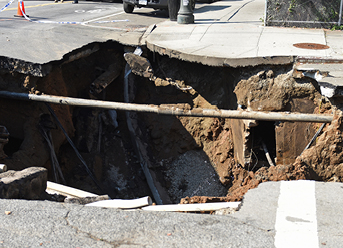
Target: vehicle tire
128,8
173,9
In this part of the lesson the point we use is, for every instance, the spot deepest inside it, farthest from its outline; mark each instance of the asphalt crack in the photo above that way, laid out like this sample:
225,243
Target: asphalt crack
93,237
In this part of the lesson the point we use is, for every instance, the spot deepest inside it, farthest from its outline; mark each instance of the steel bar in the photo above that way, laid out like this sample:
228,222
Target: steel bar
340,14
265,12
283,21
172,110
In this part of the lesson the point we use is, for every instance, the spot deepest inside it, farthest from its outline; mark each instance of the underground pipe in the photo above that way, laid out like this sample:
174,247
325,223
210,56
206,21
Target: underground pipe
196,207
150,180
53,188
270,161
168,110
3,168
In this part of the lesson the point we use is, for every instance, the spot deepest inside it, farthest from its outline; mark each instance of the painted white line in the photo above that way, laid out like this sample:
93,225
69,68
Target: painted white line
109,28
296,221
96,19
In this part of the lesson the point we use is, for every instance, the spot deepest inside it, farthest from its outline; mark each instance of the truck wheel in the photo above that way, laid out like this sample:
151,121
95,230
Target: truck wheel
128,8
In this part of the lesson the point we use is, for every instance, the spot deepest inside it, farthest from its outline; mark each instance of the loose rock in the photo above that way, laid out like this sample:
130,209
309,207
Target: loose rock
27,184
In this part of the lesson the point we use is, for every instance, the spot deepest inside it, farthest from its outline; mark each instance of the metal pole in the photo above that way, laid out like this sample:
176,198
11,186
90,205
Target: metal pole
185,14
265,13
172,110
340,14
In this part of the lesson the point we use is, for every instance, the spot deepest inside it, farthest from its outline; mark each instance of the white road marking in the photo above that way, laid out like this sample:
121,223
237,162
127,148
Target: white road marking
95,11
96,19
296,220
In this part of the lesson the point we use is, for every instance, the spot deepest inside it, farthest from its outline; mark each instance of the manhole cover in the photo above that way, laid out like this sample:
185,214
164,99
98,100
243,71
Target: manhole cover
313,46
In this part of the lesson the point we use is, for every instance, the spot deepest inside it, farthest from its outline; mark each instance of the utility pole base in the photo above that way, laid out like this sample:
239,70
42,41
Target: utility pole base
185,19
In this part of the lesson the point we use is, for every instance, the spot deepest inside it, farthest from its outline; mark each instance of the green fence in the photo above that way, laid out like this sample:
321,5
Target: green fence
304,13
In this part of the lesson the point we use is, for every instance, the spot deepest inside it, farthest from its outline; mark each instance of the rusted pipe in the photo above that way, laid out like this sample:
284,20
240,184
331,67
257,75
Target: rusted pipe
168,110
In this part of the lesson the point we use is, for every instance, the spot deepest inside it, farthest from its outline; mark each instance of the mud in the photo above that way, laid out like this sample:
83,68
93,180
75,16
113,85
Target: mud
193,158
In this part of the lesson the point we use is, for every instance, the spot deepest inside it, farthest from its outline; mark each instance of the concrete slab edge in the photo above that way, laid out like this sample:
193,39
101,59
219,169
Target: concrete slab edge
226,62
21,66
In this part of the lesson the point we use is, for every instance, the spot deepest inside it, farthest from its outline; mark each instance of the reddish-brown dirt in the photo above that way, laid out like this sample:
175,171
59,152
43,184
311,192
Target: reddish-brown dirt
325,158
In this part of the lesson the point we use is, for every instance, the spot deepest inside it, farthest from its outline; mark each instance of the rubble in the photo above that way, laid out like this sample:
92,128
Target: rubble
27,184
86,200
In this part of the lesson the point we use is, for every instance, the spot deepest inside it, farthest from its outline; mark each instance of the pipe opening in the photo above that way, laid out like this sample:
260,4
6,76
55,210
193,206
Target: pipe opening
263,143
12,146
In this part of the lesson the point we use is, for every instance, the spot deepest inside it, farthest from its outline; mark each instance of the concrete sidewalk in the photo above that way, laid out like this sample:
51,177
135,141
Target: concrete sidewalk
231,33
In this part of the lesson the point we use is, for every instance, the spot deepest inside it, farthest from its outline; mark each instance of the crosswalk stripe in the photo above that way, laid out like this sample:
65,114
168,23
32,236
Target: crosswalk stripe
296,221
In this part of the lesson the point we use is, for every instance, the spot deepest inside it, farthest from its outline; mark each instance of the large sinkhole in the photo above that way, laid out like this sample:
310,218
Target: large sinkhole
216,158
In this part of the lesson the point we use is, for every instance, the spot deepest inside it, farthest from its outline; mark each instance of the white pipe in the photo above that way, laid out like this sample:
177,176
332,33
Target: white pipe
270,161
123,204
196,207
3,168
67,191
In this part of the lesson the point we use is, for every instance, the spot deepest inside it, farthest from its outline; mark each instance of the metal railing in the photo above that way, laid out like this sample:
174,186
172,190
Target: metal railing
303,13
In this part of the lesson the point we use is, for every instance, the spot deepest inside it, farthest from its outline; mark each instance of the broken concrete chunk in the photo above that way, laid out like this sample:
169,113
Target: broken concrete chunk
86,200
139,65
250,123
327,72
27,184
105,79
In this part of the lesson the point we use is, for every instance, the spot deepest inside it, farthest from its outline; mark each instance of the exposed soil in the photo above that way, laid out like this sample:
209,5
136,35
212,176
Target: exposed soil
193,158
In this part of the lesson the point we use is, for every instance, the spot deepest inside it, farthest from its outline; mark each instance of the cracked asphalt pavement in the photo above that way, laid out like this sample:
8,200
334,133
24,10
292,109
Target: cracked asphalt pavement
53,224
